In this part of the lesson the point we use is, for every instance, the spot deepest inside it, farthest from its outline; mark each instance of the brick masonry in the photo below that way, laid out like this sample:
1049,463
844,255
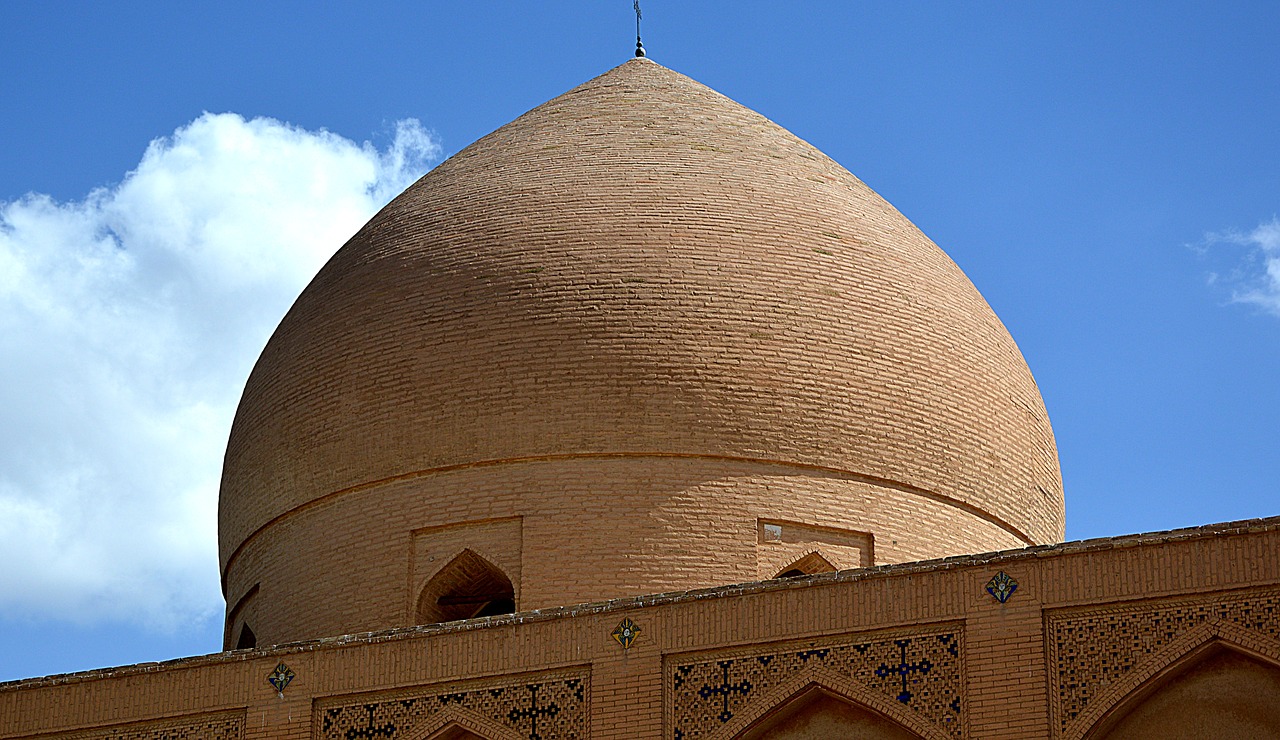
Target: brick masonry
707,663
646,315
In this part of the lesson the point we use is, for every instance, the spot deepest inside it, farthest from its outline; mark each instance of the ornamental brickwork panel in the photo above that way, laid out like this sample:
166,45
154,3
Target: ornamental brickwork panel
921,670
220,726
1091,648
537,706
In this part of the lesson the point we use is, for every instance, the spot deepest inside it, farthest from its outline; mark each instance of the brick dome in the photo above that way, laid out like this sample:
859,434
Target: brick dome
625,344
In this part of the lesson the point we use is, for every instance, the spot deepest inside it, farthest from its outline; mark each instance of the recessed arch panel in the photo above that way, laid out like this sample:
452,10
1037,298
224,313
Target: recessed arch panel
818,714
826,705
807,566
1218,692
455,732
459,724
468,587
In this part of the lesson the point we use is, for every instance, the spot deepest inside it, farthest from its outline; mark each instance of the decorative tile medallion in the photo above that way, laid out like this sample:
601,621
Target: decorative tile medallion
1001,586
626,633
1091,648
919,669
280,678
218,726
537,706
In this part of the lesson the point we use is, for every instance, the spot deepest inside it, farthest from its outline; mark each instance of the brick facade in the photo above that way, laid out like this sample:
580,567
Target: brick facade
923,644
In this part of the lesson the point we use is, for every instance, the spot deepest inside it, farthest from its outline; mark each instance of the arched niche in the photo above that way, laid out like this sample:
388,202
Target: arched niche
818,714
247,639
807,566
467,587
454,723
1218,692
237,634
455,732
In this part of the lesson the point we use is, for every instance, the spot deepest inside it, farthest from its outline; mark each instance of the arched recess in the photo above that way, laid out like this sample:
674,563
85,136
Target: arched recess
455,732
1218,681
820,704
239,616
807,566
467,587
247,639
459,724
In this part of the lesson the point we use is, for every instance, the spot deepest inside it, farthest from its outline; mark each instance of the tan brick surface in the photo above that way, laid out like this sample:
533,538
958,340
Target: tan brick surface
640,269
1018,668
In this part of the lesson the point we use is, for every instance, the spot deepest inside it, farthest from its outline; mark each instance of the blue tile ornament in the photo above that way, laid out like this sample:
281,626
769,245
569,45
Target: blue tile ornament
1001,586
626,633
280,678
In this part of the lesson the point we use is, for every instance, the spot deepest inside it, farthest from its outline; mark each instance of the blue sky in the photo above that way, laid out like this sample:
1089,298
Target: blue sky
1108,175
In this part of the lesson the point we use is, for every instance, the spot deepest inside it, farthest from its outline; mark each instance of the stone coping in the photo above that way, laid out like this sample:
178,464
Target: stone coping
1243,526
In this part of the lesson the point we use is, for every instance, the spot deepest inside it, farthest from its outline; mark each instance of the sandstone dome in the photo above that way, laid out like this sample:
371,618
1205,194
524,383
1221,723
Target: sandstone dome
639,339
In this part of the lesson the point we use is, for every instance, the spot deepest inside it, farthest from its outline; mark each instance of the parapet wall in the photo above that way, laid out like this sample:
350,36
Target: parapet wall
1089,634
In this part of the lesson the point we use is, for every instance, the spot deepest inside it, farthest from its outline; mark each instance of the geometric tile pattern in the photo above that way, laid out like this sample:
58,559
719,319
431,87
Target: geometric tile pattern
920,669
1001,586
219,726
1091,648
280,678
538,706
627,631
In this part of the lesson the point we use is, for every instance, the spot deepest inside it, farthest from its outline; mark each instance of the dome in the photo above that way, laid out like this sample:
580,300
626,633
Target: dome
624,344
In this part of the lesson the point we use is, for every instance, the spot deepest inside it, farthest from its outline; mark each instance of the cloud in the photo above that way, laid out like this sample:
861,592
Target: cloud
1255,280
129,322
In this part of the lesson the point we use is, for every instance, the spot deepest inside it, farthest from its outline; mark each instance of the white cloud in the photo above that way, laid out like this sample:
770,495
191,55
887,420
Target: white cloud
1257,279
128,324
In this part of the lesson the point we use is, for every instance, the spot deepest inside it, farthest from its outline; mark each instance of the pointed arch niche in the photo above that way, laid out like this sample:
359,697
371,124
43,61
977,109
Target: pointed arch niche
1221,688
818,714
807,566
454,732
236,633
817,704
467,587
459,724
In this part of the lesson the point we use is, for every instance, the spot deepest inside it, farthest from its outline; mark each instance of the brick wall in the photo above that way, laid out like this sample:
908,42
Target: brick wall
357,563
1031,667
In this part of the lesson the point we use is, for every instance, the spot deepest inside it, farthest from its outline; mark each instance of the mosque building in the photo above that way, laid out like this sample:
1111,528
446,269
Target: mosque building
642,418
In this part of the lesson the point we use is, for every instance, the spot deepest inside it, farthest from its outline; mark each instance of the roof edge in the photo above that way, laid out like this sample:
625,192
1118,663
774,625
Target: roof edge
1147,539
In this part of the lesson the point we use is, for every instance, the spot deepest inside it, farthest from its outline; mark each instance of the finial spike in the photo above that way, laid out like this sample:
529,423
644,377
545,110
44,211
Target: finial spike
639,46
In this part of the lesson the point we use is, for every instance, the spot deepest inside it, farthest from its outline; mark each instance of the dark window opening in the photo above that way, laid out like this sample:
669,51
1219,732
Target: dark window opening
468,587
247,639
501,605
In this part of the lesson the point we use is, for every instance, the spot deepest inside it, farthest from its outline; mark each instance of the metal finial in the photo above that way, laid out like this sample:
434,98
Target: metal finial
639,46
